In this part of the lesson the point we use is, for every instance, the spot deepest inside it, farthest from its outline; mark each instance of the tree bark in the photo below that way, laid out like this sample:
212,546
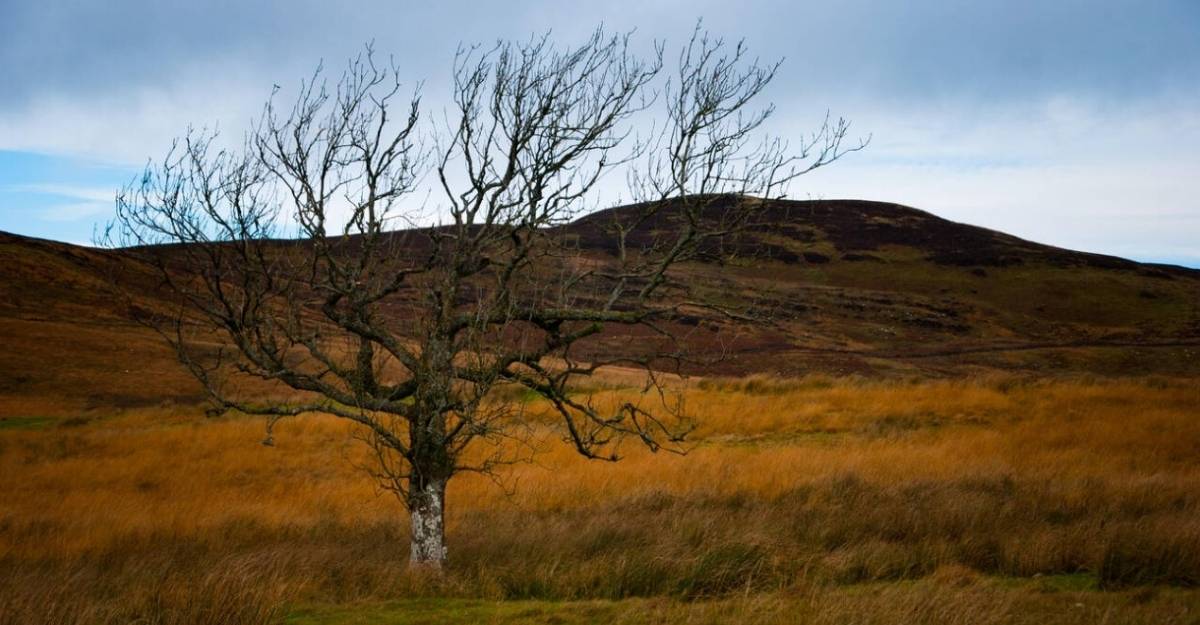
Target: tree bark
427,502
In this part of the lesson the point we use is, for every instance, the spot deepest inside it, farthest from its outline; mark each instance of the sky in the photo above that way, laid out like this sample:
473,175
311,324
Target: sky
1069,122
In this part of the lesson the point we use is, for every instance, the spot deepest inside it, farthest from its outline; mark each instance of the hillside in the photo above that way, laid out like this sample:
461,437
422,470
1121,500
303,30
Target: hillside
854,287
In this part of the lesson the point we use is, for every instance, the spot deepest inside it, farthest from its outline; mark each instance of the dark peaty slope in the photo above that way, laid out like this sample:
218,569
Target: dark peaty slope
852,287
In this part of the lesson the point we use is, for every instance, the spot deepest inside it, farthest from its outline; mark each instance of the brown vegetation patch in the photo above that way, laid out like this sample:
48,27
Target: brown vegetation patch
951,481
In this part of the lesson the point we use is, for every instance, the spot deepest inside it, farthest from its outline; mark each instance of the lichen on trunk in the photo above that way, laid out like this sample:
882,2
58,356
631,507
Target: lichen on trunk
427,500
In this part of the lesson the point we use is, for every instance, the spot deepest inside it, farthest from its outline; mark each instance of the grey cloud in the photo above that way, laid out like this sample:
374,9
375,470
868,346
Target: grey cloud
923,48
1020,114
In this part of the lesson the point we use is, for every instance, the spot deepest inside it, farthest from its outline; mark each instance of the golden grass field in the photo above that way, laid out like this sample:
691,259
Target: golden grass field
811,500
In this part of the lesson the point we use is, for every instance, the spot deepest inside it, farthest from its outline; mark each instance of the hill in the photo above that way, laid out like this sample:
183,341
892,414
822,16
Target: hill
854,287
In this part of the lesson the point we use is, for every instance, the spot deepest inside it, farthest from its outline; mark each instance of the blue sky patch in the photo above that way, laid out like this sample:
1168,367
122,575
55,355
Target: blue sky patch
54,197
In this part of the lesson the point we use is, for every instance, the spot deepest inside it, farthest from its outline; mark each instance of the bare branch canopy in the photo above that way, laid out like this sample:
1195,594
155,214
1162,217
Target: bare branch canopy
394,266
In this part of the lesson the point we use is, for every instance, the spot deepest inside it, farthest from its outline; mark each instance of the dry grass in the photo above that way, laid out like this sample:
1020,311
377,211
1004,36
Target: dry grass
793,484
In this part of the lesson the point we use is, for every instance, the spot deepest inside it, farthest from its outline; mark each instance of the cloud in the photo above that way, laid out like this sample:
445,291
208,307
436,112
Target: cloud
91,194
128,128
76,211
118,78
1071,122
1077,175
87,203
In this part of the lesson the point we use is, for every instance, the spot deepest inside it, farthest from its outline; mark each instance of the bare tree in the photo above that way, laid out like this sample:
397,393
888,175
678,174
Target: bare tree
306,258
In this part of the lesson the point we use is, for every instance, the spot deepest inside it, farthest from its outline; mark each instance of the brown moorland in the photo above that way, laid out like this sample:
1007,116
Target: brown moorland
885,501
852,287
986,430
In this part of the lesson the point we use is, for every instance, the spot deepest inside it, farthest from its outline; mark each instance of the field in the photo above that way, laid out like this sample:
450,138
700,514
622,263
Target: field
1003,499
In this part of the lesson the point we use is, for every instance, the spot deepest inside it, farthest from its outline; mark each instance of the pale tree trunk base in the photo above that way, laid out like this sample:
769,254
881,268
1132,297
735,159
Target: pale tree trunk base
426,507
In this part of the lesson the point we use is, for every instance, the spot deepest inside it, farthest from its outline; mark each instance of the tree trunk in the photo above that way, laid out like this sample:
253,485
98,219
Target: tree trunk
426,505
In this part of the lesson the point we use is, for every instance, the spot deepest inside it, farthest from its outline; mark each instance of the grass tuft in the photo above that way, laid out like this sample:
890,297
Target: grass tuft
932,500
